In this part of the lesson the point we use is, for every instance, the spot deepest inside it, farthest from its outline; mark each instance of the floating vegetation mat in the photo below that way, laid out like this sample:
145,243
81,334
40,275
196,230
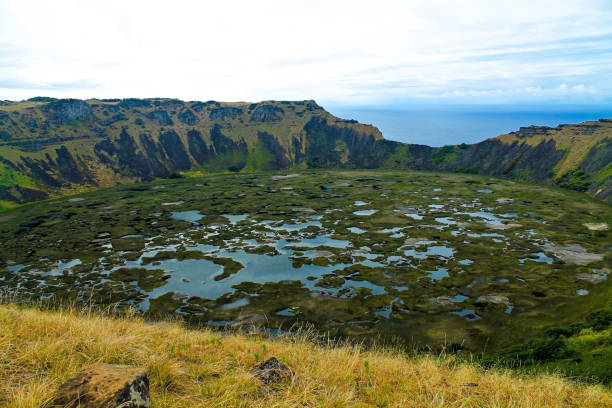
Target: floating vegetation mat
425,257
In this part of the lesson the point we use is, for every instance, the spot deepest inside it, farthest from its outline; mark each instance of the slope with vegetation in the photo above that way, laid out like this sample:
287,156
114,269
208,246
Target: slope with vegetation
39,350
50,147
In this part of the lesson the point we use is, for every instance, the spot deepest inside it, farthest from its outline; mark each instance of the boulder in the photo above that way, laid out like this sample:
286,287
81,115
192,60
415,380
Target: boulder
573,254
272,370
105,386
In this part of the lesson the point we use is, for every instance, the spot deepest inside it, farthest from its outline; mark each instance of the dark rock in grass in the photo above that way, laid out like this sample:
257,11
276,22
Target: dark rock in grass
105,386
272,371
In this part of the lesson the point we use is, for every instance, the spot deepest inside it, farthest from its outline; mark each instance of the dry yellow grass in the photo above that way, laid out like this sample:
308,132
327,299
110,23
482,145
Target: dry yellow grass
190,368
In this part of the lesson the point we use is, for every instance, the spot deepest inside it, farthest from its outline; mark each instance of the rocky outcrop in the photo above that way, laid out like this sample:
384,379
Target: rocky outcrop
175,150
125,158
225,113
161,116
188,118
21,195
529,131
328,145
63,111
105,386
280,154
68,167
267,113
198,148
69,143
131,103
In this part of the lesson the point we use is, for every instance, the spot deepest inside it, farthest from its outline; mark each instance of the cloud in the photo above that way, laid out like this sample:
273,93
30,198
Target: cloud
341,52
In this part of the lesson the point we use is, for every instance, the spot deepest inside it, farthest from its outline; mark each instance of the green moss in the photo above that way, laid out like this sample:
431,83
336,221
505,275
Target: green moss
148,279
230,266
164,305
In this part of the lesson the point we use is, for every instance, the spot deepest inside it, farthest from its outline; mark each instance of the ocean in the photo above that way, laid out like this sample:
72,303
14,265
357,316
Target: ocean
439,126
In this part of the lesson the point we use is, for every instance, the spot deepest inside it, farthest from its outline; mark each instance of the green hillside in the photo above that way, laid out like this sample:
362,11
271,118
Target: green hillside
53,147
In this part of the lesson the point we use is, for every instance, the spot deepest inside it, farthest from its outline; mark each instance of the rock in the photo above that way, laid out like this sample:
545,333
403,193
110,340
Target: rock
596,226
105,386
573,254
161,116
66,110
504,200
530,131
414,241
593,278
267,113
496,299
281,177
498,226
179,295
188,118
225,113
407,210
272,370
131,103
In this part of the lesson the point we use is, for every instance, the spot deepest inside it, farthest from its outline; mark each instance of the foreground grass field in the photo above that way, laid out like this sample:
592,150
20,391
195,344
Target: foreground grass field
39,350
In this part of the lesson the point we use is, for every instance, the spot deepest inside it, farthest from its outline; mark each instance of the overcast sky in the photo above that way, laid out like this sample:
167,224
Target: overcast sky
353,52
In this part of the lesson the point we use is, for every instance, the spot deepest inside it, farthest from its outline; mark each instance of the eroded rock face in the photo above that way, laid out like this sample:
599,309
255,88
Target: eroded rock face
188,117
65,110
105,386
161,116
267,113
225,113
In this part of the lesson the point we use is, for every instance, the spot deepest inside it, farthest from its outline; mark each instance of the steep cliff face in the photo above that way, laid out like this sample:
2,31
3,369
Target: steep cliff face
577,157
57,146
50,147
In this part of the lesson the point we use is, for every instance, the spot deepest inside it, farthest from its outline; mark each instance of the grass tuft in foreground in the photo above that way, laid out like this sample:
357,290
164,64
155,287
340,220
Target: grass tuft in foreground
39,350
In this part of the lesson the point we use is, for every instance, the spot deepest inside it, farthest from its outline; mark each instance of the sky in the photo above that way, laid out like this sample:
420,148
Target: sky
353,53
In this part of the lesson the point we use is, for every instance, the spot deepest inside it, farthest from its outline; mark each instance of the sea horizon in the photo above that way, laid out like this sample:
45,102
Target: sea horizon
454,124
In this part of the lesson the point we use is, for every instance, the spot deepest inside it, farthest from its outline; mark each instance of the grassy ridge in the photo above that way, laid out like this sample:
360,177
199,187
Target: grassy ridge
41,349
